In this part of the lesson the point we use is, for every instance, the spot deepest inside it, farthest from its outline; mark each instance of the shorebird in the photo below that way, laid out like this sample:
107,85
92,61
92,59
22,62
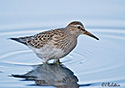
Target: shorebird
56,43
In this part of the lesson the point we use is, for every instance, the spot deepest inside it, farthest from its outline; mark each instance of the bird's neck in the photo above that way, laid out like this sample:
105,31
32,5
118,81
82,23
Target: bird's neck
70,33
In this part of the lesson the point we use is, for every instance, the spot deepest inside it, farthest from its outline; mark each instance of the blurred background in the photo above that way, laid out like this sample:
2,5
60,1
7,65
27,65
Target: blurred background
31,14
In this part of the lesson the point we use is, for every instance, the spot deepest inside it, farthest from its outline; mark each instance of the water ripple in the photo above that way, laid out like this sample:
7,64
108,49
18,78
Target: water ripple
90,60
13,53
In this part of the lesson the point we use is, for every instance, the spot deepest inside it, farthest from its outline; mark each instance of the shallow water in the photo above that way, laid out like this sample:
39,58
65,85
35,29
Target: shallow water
92,63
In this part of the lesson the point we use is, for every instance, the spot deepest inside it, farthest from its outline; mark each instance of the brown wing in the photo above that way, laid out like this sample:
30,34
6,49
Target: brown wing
38,40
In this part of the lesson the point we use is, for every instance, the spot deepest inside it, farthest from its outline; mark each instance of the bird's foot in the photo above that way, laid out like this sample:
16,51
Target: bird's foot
58,62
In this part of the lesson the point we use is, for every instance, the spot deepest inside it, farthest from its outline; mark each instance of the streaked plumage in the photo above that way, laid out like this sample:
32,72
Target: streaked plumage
57,43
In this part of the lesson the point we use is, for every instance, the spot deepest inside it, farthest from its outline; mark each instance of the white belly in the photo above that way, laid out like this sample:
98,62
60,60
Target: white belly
48,52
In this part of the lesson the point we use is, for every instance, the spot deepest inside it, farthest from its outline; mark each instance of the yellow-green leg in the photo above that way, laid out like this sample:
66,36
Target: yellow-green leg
58,62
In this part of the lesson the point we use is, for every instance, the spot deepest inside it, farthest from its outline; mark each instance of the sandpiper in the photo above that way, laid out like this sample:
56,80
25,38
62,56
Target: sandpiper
56,43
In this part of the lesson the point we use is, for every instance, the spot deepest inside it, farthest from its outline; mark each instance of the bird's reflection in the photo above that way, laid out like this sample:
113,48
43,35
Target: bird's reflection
51,75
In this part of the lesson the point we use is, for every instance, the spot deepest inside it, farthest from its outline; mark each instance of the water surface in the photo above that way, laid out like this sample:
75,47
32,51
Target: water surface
92,62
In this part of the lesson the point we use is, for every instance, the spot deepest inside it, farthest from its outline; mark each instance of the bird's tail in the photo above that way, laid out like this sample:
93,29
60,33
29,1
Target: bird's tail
21,40
24,76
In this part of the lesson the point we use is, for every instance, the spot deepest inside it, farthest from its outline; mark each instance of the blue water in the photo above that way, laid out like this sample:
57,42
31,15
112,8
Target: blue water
92,62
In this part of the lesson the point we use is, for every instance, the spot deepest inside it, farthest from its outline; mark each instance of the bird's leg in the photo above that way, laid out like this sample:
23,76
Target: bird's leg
58,62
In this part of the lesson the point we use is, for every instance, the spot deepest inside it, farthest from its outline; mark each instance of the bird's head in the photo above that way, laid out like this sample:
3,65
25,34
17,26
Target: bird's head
77,28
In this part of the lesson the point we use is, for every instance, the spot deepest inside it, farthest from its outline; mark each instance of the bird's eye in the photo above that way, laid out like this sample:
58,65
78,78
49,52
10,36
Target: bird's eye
78,27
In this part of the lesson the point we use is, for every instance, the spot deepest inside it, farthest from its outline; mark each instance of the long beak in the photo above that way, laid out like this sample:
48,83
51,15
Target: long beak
91,35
